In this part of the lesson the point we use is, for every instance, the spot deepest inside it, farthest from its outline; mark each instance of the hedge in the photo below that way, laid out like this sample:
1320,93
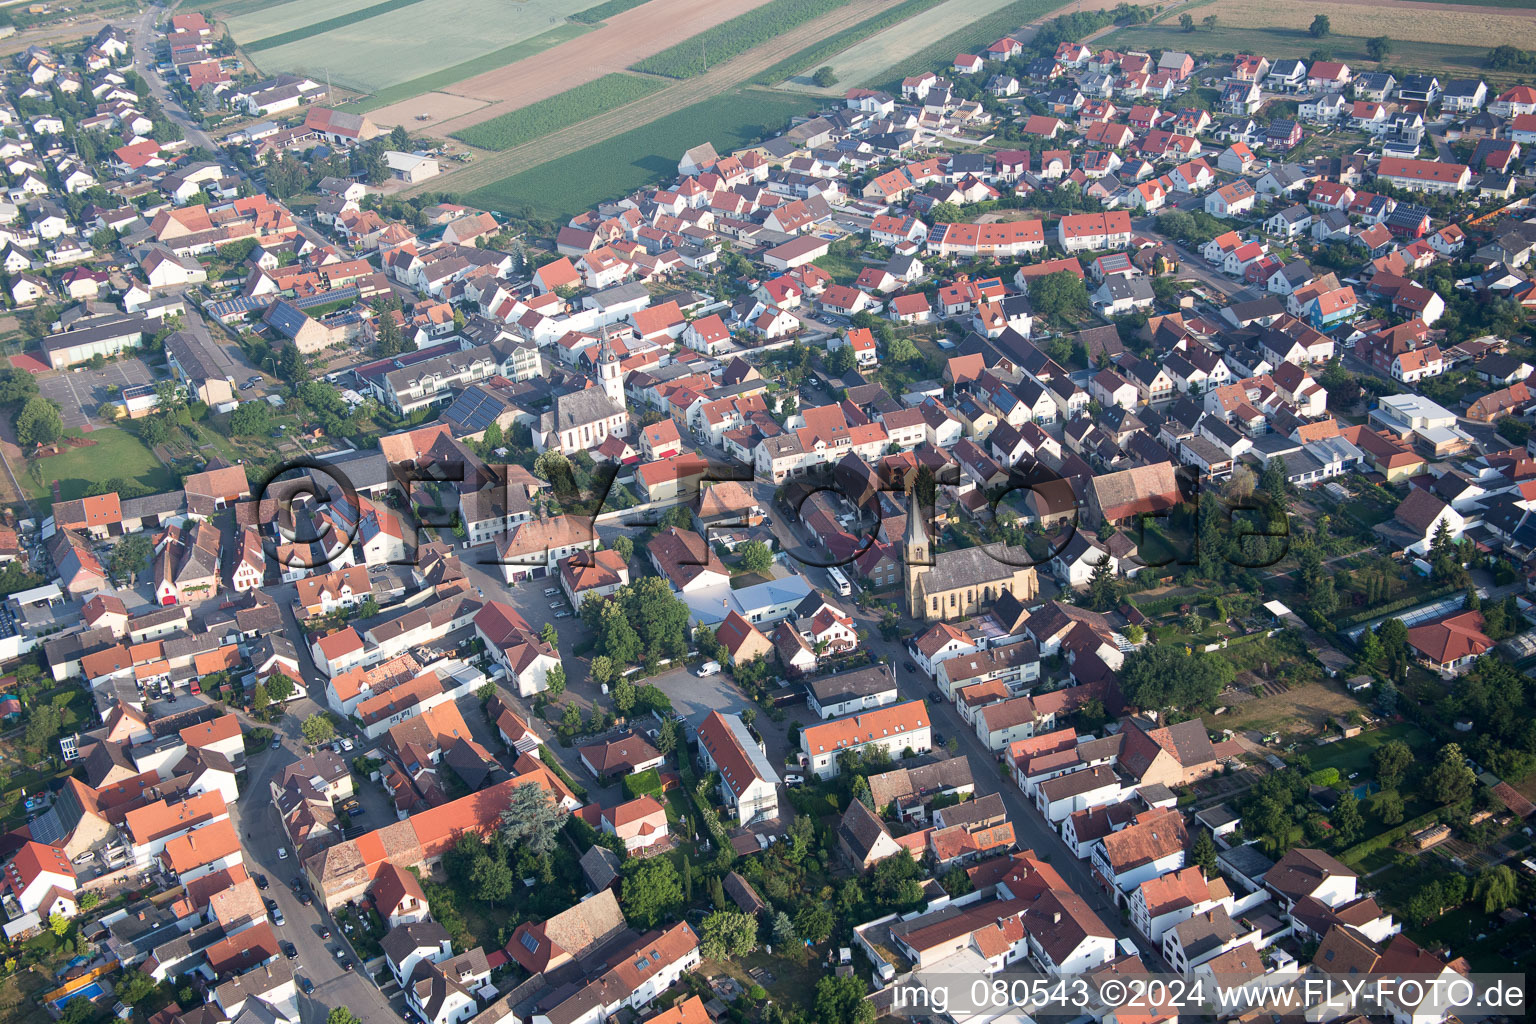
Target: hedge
560,773
1355,854
1416,598
697,54
559,111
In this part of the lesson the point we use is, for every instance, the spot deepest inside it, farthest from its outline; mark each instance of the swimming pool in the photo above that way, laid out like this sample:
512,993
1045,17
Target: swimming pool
90,991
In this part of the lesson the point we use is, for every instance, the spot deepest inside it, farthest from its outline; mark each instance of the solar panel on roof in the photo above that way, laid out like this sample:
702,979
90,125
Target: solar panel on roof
47,828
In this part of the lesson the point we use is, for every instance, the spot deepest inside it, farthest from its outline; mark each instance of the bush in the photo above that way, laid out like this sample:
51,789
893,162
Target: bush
697,54
567,108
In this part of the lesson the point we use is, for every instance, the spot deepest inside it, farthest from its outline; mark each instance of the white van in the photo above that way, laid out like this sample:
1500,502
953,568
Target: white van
709,668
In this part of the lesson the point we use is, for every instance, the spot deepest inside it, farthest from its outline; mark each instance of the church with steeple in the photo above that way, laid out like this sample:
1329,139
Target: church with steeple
583,420
961,583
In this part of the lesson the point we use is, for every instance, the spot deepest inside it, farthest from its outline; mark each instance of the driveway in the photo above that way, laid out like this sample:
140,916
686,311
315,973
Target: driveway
80,392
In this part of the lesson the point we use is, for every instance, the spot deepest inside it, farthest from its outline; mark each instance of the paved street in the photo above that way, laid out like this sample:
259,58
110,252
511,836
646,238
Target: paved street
145,39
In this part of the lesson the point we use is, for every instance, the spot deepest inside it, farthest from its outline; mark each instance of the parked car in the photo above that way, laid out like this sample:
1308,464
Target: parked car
277,917
341,954
551,591
909,666
709,668
794,780
307,985
346,965
282,853
935,697
346,744
289,950
305,898
325,933
270,903
261,880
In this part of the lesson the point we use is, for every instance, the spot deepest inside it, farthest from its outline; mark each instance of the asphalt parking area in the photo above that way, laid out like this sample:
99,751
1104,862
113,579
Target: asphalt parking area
79,393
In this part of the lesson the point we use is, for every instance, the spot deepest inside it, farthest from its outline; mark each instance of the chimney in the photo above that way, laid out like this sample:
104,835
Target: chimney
1056,917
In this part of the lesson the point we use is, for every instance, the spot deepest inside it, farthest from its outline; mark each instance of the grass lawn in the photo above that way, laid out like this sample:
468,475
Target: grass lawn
19,999
1354,755
843,263
623,163
116,453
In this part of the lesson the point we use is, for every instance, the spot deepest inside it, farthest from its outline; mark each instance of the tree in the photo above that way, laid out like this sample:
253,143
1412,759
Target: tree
16,386
902,349
1392,760
1060,296
1163,676
388,338
602,670
1378,47
727,934
318,728
252,419
140,987
824,77
399,138
841,360
1450,781
550,635
491,879
280,687
58,924
1388,805
532,819
1346,820
1103,586
651,890
39,422
783,929
131,555
554,680
624,546
755,557
623,693
342,1015
260,698
1319,27
1187,22
813,922
1497,888
1204,853
1209,21
843,1001
945,213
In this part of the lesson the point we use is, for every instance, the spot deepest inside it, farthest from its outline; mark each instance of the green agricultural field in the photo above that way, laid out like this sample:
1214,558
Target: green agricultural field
594,15
1448,58
271,42
116,453
697,54
264,21
570,107
470,68
980,32
417,39
616,166
817,55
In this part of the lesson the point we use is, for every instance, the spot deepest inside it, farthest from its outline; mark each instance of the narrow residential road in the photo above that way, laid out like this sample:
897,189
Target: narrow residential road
144,41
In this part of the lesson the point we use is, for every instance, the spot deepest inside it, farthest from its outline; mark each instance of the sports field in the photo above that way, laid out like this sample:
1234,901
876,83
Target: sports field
415,40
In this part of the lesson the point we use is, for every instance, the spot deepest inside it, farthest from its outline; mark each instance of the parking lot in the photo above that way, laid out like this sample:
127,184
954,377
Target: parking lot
81,392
